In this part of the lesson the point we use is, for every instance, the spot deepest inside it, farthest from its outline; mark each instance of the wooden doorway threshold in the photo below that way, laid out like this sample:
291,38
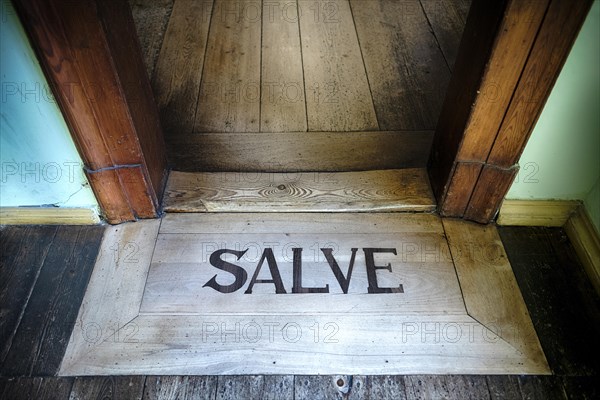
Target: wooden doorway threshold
273,293
405,190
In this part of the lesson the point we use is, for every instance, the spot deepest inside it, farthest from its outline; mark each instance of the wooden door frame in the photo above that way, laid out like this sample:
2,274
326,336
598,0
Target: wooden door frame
509,58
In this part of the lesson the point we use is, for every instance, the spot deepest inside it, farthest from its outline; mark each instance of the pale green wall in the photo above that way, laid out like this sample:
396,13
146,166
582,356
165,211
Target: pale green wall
562,158
39,162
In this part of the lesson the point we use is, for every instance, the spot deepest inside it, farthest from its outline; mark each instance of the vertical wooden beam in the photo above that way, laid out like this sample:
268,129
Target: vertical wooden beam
483,129
91,56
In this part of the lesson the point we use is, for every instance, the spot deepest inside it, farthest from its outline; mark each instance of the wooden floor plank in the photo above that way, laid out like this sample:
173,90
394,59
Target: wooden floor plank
548,272
407,71
41,339
21,257
119,275
447,19
112,387
581,387
300,151
230,90
541,388
480,259
176,82
278,387
379,387
308,387
337,89
313,223
151,18
240,387
389,190
37,388
180,387
283,106
63,305
503,387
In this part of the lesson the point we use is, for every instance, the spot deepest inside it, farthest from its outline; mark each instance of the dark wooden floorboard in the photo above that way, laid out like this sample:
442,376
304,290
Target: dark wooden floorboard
240,387
308,387
35,388
459,387
108,388
564,308
503,387
582,387
44,330
21,256
541,388
180,387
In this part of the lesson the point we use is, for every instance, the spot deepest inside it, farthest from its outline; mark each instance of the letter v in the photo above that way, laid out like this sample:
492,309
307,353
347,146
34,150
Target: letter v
344,281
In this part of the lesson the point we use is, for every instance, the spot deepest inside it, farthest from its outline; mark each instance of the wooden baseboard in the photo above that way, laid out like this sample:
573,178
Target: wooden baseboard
537,212
48,216
586,241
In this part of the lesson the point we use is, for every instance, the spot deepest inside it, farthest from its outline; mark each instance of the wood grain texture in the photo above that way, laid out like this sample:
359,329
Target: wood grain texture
119,275
180,387
151,18
586,241
300,151
389,190
337,89
37,388
48,216
41,338
407,73
499,306
283,104
447,19
24,250
479,36
90,54
536,212
503,387
176,82
230,91
541,387
552,45
490,190
256,387
508,57
112,387
315,387
464,178
446,387
273,222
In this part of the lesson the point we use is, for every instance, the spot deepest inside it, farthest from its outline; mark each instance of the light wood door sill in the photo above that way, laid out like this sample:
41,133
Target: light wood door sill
404,190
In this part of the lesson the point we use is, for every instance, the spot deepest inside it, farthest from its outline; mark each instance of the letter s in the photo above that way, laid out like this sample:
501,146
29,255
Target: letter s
238,272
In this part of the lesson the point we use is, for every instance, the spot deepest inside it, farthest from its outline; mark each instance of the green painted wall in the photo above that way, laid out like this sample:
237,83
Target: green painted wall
39,162
562,158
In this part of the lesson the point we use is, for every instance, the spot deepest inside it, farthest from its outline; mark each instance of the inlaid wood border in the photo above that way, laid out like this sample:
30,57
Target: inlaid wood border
112,338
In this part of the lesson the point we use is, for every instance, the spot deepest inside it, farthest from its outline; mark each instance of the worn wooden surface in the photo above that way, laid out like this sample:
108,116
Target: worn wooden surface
179,69
524,246
294,89
229,98
160,324
151,18
548,272
407,72
45,271
300,151
47,215
388,190
489,287
114,123
283,103
536,212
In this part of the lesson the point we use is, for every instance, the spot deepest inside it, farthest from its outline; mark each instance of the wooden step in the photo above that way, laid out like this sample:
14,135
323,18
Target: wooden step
370,191
299,151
